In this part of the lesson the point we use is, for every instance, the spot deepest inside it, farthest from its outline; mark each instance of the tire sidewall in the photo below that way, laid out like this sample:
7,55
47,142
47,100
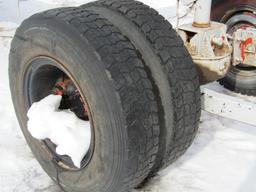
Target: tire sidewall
53,39
238,80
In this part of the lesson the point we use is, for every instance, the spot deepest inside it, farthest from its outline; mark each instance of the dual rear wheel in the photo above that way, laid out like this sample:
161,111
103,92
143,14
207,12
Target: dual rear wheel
134,75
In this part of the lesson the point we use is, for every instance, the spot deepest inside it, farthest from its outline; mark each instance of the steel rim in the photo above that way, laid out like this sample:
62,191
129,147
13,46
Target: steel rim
245,20
46,71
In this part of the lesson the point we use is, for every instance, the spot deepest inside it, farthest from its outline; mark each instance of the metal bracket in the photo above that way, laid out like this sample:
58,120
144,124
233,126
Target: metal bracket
224,103
209,48
244,45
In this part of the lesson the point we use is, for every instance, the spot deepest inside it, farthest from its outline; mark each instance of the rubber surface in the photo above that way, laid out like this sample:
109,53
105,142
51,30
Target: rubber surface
178,89
108,70
240,81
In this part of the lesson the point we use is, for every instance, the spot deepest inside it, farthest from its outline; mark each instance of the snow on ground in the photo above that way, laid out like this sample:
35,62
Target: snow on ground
222,157
19,172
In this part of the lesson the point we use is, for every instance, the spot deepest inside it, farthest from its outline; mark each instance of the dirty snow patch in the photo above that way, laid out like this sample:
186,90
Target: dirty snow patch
71,135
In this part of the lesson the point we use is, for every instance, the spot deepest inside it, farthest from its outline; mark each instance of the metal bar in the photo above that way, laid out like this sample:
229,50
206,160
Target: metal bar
227,104
202,13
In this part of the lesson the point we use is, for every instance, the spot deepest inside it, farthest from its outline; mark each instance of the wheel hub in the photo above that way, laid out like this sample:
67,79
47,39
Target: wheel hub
71,98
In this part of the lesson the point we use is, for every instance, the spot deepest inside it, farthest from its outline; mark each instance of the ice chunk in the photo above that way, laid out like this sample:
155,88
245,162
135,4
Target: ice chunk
71,134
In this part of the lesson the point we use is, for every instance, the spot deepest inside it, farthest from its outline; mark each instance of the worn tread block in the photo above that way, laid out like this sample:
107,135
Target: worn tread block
179,68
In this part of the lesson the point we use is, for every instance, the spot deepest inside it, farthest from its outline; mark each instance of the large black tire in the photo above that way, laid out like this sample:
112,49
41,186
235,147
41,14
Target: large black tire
170,67
112,78
240,78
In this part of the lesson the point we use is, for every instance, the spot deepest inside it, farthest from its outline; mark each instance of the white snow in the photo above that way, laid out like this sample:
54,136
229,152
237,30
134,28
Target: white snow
221,159
71,135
